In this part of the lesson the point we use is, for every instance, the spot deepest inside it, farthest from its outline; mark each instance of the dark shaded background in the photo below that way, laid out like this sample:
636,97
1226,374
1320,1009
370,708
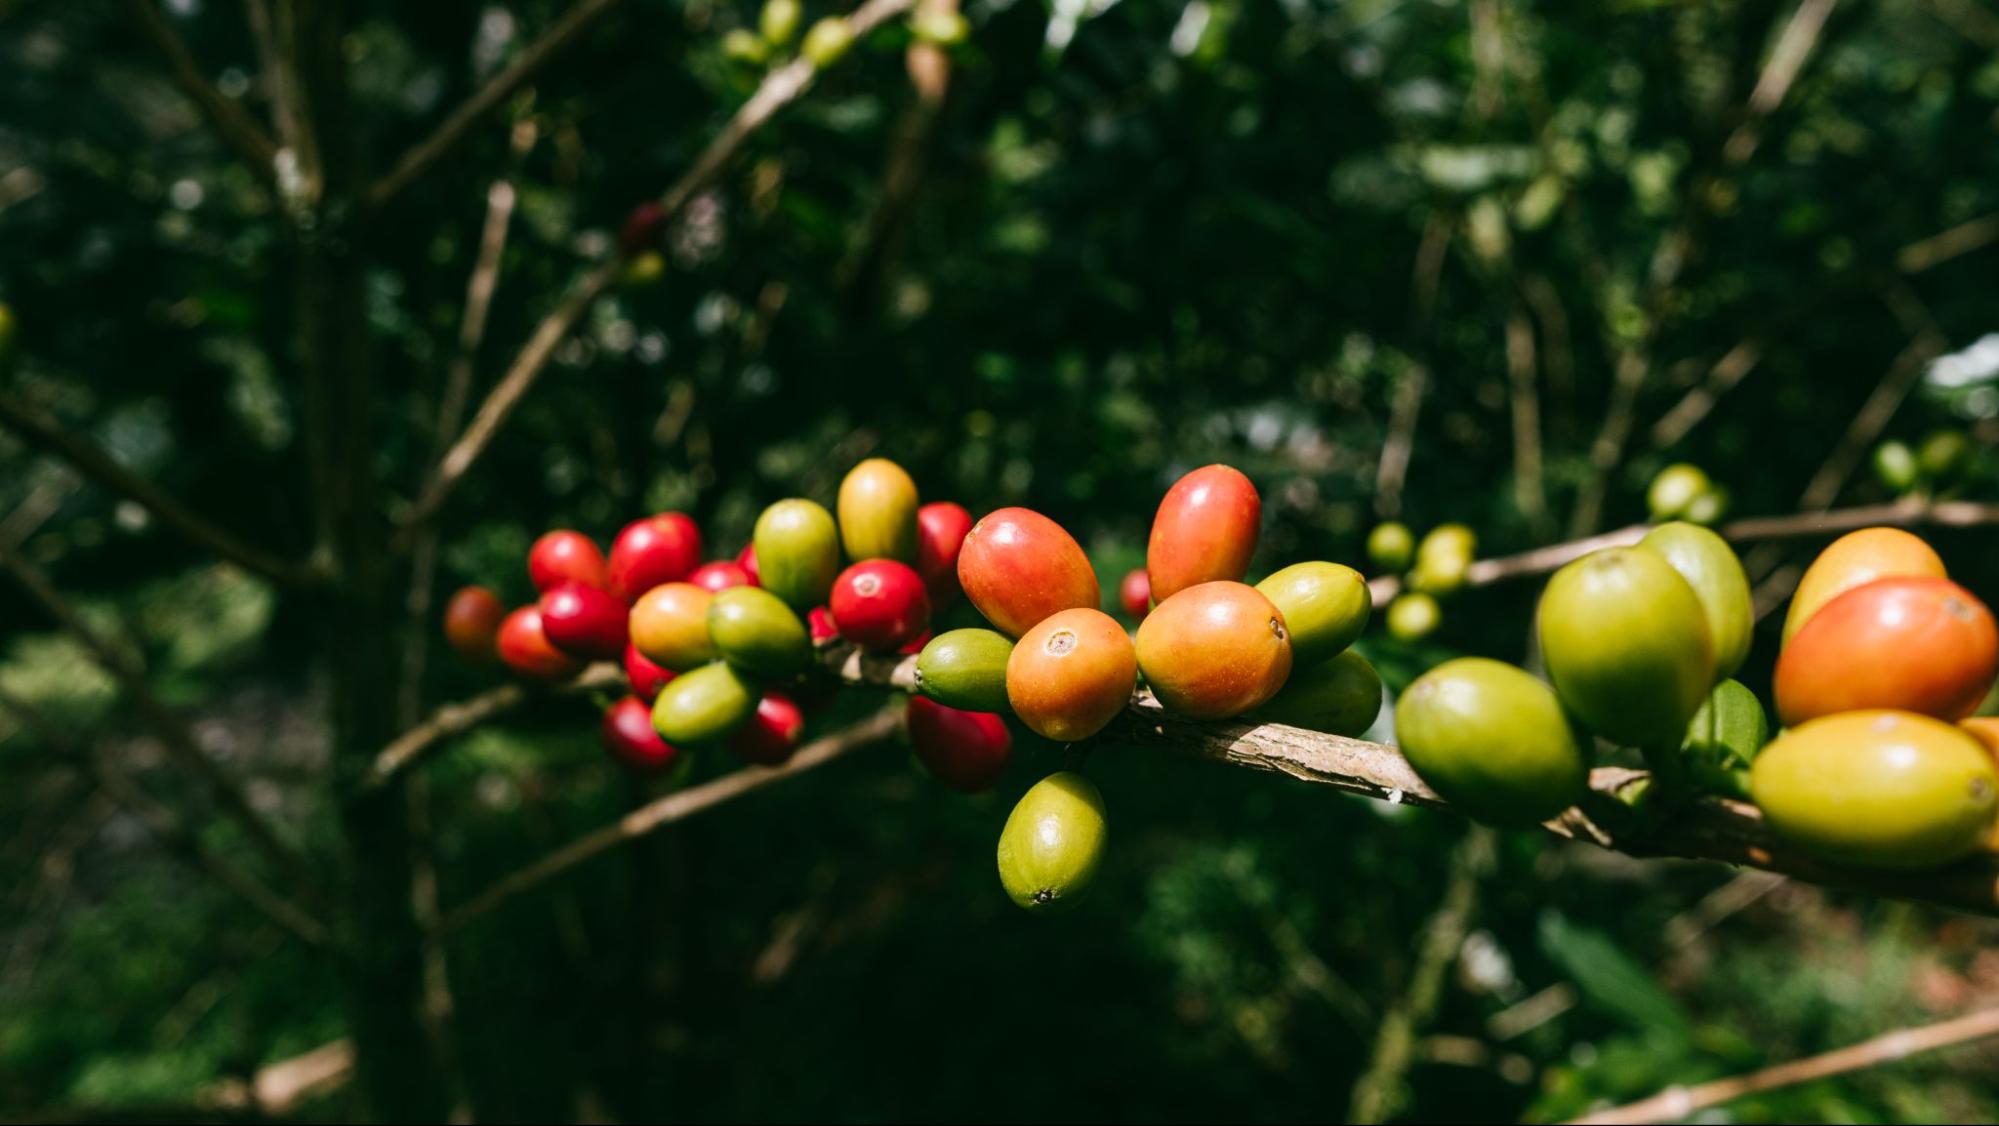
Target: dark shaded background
1167,243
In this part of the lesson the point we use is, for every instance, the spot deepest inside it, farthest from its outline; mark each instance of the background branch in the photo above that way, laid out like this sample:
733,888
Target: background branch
42,430
1675,1103
780,88
675,807
455,719
229,120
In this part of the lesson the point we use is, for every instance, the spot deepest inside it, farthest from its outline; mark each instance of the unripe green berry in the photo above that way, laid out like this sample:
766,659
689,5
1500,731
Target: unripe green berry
827,41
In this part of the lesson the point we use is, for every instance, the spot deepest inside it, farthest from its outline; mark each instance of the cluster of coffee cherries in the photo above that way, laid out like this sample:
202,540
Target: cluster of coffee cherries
723,653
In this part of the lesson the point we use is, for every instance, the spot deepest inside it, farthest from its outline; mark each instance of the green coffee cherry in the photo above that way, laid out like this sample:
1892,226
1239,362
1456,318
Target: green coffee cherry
1413,616
1943,456
827,41
1895,467
746,47
1390,547
1053,843
1674,489
779,21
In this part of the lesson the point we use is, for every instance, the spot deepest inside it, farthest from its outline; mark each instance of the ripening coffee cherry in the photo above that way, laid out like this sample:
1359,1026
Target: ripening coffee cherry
525,649
1339,696
1626,643
798,552
1018,566
827,41
772,734
705,705
1053,843
628,735
880,604
1909,644
1325,607
1676,487
779,21
877,512
720,576
1880,789
967,751
1895,467
1853,560
645,676
819,626
1205,531
1711,568
1214,650
941,527
755,631
1943,456
1134,593
1414,616
566,556
642,229
747,560
965,669
1071,675
669,624
1391,547
585,622
659,549
472,624
1493,741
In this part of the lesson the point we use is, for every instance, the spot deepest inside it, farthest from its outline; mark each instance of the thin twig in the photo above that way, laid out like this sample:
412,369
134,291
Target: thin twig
453,720
1530,493
279,85
1379,1091
1787,58
1809,525
412,164
1732,368
41,429
1675,1103
179,741
166,825
229,120
674,807
780,88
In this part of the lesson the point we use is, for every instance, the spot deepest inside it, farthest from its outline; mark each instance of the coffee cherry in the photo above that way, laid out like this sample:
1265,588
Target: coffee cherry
1018,566
1880,789
1627,647
1910,644
705,705
472,624
525,649
1325,607
1205,531
880,604
1853,560
819,626
741,45
566,556
1134,593
627,733
1071,675
1414,616
656,550
1391,547
1214,650
877,512
747,560
941,527
1943,456
772,733
642,229
779,21
965,669
1053,843
1493,741
1895,466
1339,696
798,552
754,630
669,624
645,677
967,751
1676,487
827,41
585,622
720,576
1443,559
1711,568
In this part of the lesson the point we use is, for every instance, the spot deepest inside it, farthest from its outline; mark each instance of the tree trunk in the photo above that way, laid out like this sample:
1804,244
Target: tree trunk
395,1065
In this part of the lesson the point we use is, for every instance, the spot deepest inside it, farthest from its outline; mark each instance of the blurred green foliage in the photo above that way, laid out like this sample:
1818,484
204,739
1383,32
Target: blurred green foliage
1145,237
